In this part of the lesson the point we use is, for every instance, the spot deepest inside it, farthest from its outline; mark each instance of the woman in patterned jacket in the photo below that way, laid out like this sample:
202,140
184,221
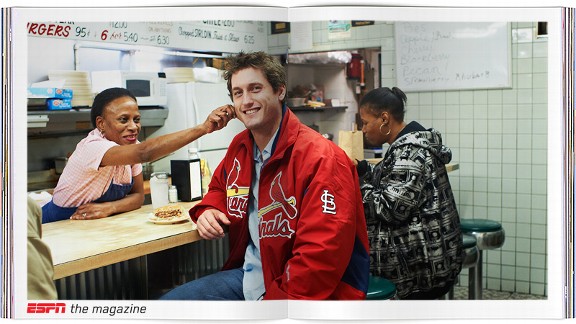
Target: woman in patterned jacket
413,223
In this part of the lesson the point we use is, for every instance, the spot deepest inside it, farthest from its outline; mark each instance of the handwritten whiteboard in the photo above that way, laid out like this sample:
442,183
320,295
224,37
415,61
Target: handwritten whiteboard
452,55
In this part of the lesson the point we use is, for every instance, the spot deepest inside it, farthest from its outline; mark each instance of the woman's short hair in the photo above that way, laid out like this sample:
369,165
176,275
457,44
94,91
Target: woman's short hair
385,99
104,98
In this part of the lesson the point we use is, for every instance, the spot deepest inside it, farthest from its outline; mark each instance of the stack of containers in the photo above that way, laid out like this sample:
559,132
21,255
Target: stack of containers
79,82
52,98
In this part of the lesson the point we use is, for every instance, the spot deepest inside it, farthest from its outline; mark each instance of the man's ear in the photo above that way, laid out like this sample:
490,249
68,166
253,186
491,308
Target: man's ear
282,93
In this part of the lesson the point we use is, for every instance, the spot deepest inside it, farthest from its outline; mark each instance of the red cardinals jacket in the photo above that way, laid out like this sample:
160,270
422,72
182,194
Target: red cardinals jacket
313,237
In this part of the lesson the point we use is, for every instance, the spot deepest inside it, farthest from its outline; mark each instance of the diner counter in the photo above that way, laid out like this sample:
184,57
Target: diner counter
82,245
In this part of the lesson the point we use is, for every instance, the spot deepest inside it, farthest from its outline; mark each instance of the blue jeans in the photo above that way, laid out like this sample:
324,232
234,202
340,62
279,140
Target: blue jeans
222,285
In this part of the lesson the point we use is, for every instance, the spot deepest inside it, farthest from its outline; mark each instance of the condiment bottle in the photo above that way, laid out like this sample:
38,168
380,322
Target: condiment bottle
173,194
193,153
204,169
206,176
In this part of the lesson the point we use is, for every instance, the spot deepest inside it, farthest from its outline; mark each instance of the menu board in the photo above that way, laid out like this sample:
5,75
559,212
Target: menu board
453,55
205,35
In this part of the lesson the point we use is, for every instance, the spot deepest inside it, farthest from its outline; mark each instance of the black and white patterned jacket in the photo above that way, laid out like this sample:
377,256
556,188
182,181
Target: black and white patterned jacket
413,224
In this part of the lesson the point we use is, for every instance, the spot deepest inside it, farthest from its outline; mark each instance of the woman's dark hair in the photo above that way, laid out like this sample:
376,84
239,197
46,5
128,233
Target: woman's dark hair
104,98
272,69
385,99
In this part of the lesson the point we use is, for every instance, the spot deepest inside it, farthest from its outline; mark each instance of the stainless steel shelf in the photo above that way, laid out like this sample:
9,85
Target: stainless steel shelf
75,121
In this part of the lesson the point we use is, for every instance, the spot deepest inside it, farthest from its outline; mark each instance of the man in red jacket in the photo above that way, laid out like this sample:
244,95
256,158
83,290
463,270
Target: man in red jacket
288,198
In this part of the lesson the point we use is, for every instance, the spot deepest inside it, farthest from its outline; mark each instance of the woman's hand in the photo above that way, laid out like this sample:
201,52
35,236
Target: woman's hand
155,148
362,167
130,202
219,118
91,211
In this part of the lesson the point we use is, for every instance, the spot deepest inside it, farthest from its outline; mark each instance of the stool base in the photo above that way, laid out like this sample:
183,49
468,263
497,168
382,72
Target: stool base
475,279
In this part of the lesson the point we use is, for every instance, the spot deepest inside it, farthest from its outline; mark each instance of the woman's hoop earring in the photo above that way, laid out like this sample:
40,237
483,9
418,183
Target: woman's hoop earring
389,130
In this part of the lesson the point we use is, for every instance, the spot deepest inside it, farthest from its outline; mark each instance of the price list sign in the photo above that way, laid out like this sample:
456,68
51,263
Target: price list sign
206,35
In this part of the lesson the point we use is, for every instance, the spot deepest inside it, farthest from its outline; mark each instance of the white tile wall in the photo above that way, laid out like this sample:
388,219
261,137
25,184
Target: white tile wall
499,138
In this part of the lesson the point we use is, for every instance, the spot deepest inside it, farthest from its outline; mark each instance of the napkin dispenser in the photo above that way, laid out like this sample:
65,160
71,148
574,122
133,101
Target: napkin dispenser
187,177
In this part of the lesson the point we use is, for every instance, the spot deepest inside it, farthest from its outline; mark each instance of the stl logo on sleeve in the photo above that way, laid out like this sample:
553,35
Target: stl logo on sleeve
328,204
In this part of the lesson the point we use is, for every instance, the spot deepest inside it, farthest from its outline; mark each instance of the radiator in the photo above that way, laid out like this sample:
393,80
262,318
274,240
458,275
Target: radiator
146,277
200,258
121,280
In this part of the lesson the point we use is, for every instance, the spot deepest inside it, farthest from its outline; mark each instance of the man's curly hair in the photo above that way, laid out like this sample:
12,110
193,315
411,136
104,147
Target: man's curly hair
271,67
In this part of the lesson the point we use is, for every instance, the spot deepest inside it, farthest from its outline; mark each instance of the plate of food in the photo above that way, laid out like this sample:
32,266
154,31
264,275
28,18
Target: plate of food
169,214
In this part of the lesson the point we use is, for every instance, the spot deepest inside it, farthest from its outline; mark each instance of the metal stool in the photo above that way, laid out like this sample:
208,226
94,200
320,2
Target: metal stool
470,249
380,288
469,259
489,235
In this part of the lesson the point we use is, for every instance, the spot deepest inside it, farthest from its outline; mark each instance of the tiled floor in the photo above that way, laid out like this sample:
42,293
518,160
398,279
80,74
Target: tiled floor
461,292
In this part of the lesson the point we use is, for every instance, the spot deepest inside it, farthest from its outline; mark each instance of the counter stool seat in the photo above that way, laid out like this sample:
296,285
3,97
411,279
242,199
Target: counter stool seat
489,235
380,288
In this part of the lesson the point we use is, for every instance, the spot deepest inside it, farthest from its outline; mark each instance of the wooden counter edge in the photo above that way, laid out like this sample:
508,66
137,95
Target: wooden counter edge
452,167
108,258
449,167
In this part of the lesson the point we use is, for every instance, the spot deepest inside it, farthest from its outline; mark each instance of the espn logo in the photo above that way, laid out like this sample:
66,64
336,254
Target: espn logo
46,308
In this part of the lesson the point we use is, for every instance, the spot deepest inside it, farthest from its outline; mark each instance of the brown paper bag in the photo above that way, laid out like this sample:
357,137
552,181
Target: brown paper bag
352,142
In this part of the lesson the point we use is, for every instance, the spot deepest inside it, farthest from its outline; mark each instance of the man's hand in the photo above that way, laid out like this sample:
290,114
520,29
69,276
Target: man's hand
210,224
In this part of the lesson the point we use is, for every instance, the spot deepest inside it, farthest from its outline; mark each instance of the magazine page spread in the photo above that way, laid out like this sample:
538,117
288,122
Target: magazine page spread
490,83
